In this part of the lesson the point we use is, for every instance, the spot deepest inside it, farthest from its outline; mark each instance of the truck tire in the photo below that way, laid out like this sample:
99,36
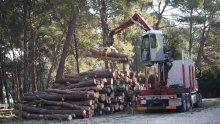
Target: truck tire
183,107
198,100
188,101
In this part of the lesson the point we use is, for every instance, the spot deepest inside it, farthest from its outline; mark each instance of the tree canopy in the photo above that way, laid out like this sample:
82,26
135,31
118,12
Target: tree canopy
40,40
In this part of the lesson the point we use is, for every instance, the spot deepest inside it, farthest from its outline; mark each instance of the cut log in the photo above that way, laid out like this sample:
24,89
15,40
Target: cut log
81,103
102,97
44,116
69,80
98,112
117,93
109,86
102,80
92,88
64,104
112,94
114,100
60,97
100,105
86,83
66,91
30,109
106,90
101,74
104,58
112,106
95,106
121,107
110,54
107,109
117,107
109,81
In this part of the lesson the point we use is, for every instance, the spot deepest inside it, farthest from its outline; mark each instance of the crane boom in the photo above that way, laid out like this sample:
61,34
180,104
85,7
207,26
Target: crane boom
135,19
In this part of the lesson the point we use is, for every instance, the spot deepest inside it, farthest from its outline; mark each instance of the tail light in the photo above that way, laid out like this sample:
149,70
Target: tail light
172,97
140,98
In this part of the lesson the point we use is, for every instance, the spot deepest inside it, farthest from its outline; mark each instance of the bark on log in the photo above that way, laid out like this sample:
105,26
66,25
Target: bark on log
64,104
110,54
109,86
81,103
67,91
61,97
86,83
106,90
70,80
30,109
104,58
45,116
93,88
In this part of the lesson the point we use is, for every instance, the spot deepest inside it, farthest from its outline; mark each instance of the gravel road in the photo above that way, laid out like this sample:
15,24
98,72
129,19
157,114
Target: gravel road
208,114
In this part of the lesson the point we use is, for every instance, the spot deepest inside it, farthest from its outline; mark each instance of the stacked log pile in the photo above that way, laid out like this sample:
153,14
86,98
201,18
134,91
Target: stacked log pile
85,94
80,96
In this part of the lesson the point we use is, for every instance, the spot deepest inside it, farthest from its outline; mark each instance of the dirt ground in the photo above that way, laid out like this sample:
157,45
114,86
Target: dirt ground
209,113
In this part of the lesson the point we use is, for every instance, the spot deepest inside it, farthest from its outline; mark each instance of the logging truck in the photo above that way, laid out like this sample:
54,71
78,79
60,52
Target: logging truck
174,85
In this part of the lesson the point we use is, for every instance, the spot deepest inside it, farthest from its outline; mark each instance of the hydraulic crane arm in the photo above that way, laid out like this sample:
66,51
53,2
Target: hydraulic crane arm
136,19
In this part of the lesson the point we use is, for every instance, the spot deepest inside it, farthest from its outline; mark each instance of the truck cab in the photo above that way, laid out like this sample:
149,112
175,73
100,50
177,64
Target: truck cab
152,47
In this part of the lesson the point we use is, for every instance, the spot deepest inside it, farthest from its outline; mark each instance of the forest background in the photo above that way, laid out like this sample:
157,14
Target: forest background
40,40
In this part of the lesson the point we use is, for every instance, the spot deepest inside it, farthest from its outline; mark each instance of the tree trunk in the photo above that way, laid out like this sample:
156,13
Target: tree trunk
3,74
1,87
25,62
204,37
32,63
105,30
18,88
71,28
76,41
190,33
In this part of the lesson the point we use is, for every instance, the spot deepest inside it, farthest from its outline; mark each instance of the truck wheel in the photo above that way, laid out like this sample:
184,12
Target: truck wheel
183,108
198,101
188,102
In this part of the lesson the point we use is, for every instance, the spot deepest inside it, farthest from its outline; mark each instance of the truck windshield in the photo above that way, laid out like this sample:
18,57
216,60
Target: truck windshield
145,51
153,41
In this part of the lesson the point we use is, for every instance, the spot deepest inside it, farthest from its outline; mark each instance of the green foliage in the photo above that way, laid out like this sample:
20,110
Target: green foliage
209,84
51,27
